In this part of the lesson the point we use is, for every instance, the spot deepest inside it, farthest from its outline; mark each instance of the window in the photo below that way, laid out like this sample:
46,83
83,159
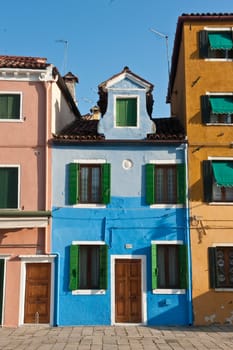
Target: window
88,266
126,112
9,187
169,266
217,109
216,44
89,183
218,180
10,106
221,267
165,183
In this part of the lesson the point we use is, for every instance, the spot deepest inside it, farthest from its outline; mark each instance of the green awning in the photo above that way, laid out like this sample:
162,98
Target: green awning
220,40
221,104
223,173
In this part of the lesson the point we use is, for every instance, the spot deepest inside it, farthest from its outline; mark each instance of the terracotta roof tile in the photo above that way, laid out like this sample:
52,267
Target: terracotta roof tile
84,129
167,129
23,62
81,129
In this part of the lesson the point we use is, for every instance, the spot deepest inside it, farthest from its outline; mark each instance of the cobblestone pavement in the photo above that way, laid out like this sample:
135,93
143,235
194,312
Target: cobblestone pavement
116,337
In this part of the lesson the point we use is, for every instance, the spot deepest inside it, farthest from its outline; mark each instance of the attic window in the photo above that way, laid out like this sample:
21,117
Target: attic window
126,112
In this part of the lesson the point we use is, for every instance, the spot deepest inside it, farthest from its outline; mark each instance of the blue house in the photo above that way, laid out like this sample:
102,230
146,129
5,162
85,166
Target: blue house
120,216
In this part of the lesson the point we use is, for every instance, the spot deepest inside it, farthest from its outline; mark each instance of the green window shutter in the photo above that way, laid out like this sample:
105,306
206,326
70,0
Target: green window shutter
2,261
74,267
203,44
150,183
183,266
8,188
205,109
212,267
207,180
106,183
126,112
103,266
131,112
154,270
181,184
73,183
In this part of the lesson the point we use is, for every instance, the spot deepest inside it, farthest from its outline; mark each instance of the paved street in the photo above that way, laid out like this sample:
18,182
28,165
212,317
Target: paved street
116,337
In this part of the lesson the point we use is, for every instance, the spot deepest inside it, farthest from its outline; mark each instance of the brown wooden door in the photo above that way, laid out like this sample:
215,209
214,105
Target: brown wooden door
128,295
37,293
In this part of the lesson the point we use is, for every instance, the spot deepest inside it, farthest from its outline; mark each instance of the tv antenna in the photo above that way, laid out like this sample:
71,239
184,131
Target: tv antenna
64,65
166,38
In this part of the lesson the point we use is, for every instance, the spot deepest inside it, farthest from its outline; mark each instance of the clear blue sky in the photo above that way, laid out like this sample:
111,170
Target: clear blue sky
103,36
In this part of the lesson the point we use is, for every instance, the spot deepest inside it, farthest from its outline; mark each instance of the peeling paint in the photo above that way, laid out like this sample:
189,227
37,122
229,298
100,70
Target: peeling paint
210,318
229,320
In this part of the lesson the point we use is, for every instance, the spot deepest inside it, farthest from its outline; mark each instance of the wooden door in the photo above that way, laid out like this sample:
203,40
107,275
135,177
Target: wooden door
2,261
37,293
128,295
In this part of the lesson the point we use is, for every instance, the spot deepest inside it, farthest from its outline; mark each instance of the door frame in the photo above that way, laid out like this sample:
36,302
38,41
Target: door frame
30,259
143,287
4,257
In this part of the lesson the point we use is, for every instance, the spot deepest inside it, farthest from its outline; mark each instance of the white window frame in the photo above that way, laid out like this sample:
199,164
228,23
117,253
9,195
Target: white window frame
19,170
88,291
168,290
166,162
89,205
219,94
114,113
20,119
217,29
221,158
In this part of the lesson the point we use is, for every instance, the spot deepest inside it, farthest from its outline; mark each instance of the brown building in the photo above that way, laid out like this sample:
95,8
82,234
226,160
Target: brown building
201,95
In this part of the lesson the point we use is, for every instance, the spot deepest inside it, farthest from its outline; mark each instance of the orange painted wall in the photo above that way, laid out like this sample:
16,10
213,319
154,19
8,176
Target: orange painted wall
195,77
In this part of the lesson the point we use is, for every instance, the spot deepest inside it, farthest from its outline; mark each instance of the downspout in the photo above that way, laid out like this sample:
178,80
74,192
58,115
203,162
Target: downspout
190,304
47,165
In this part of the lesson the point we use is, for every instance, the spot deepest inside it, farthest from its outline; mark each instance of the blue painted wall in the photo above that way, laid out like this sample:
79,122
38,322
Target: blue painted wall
126,220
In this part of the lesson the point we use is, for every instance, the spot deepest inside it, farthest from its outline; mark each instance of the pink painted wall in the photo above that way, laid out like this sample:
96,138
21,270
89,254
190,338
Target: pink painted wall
24,143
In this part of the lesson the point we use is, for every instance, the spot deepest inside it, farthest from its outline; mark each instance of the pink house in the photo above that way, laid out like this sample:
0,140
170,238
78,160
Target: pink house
35,102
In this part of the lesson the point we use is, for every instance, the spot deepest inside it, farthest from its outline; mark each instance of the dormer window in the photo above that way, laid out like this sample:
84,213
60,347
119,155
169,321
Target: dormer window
126,111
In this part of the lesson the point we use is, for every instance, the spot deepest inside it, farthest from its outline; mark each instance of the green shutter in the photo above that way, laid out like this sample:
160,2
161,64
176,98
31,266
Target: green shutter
106,183
9,106
103,266
74,267
73,183
1,286
126,112
183,266
207,180
212,267
205,109
9,188
150,184
154,270
203,44
181,184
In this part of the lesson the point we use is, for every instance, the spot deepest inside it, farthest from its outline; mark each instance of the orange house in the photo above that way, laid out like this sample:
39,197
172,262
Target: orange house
201,95
34,102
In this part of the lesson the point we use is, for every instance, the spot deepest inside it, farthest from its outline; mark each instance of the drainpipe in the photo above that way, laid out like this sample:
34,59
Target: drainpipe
190,301
56,293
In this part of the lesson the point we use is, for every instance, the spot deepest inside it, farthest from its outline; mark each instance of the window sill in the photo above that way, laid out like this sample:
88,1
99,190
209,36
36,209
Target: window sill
20,120
220,203
96,206
219,59
89,292
169,291
219,124
166,206
223,290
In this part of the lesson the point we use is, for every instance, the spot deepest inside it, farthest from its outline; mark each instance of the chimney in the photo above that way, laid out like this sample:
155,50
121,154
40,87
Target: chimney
70,80
95,113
